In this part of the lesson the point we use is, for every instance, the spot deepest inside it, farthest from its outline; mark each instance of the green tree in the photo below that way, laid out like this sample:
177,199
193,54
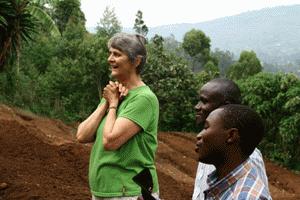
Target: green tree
109,23
158,41
197,45
40,10
171,44
212,70
247,65
139,24
276,98
65,10
37,54
61,76
76,74
19,20
174,84
209,72
5,10
225,60
195,42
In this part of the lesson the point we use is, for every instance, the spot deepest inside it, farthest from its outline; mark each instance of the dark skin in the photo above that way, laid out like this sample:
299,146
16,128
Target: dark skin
210,98
225,160
219,146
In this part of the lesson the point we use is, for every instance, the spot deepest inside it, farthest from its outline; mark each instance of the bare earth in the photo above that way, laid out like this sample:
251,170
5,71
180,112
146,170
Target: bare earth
40,159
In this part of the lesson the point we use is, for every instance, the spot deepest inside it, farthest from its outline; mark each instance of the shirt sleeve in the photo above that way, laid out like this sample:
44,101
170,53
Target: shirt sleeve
201,185
140,110
257,160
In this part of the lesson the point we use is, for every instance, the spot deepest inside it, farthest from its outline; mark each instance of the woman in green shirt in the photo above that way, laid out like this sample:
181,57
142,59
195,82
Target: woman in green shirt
124,126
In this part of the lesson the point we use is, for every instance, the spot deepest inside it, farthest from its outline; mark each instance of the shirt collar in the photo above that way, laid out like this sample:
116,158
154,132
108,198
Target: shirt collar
217,187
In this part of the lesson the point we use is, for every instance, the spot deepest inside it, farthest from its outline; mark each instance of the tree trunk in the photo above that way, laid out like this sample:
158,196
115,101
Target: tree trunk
4,52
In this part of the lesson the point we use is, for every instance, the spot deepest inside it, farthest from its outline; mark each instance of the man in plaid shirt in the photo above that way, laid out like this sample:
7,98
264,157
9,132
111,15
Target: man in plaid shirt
230,135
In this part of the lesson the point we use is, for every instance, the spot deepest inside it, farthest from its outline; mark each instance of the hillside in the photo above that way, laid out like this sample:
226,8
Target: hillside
40,159
273,33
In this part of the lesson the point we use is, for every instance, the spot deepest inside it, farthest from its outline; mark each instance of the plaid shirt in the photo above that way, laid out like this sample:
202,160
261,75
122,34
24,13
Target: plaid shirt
204,170
240,184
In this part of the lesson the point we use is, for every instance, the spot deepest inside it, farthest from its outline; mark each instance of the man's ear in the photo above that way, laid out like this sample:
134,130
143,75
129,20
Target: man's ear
233,136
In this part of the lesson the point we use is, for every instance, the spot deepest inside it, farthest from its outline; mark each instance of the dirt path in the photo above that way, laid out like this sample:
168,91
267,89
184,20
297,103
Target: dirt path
40,159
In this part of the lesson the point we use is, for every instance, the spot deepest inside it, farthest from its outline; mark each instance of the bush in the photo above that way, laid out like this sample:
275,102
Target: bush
276,97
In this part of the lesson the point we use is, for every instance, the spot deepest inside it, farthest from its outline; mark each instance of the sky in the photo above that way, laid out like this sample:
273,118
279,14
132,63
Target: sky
163,12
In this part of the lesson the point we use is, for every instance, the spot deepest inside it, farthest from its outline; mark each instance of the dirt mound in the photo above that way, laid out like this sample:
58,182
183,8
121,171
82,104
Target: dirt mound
40,159
36,164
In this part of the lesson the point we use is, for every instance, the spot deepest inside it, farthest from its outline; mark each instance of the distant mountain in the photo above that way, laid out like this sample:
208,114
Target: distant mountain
273,33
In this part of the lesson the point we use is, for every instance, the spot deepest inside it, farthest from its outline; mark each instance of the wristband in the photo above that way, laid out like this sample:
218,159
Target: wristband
112,107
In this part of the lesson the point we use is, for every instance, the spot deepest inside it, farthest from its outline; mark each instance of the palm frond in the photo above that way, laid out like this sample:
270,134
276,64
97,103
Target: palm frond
43,2
45,19
3,21
5,12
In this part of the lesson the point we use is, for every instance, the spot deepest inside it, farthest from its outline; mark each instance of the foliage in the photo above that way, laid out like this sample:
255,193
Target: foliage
276,98
171,44
18,22
75,76
225,59
197,44
18,25
247,65
66,10
109,23
61,77
210,72
211,69
174,84
38,54
139,25
5,11
39,10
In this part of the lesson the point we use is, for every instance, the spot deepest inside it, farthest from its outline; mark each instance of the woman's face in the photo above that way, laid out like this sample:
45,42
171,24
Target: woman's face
120,65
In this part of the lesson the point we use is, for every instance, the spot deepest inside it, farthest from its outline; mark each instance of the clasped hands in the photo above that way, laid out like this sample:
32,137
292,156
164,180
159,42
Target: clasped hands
114,92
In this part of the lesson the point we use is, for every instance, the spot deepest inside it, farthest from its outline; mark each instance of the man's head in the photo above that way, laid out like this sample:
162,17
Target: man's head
214,94
230,129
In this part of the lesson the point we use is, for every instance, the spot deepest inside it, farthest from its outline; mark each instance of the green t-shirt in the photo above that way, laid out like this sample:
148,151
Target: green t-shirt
111,172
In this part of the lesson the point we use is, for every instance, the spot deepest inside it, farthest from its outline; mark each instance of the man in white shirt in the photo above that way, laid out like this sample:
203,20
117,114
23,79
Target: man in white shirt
212,95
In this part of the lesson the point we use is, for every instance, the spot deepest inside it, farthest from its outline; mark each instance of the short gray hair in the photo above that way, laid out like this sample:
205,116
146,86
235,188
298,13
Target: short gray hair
133,45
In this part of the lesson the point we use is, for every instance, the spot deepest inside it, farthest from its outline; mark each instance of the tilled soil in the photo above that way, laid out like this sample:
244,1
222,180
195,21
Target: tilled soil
40,159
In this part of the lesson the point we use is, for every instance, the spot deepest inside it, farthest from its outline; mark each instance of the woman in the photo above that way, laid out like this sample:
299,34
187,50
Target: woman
124,126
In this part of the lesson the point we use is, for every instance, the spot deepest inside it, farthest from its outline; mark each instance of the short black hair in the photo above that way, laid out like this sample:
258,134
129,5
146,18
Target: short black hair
229,90
248,123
